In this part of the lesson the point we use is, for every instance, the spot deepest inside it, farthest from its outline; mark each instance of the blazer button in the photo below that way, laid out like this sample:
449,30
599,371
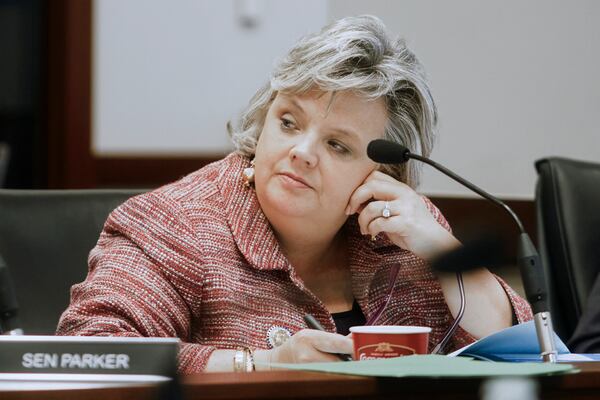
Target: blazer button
277,335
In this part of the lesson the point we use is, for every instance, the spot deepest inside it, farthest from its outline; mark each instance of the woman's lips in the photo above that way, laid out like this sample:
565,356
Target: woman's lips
294,181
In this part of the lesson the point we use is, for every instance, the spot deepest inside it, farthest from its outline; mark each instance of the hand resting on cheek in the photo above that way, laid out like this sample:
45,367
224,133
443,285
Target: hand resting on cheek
408,224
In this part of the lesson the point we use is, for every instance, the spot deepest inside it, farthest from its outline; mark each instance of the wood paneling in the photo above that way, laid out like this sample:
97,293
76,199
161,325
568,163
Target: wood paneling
470,216
145,171
68,94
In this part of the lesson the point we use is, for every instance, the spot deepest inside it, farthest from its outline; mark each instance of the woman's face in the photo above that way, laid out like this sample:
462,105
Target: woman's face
310,159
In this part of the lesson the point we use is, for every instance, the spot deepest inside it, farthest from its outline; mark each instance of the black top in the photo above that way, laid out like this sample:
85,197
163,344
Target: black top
344,320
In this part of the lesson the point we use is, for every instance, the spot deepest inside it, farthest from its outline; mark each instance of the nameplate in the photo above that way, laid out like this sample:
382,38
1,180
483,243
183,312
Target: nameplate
88,355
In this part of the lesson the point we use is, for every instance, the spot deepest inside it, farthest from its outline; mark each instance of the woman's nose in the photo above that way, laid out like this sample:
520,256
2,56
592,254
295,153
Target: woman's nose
304,152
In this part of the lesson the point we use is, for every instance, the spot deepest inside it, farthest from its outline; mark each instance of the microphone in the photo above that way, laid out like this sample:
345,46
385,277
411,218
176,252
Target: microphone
488,250
386,152
9,323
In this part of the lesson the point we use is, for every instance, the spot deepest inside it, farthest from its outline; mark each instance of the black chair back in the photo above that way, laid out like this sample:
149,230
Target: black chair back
45,238
568,215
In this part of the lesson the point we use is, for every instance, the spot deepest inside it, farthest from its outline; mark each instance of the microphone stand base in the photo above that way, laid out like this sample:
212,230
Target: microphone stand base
545,334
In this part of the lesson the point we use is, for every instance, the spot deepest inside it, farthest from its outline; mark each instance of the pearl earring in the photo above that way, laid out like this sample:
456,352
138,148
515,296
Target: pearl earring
248,174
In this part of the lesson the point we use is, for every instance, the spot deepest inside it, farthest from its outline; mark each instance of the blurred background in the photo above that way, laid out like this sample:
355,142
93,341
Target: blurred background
137,93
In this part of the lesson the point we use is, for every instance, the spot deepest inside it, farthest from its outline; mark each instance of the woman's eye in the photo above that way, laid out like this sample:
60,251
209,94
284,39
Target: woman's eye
287,124
338,147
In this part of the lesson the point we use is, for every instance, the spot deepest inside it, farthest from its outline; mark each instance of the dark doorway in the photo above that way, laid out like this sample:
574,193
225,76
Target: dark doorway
22,162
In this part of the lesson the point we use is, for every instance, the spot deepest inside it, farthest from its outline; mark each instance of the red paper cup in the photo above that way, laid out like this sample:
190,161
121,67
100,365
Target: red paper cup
372,342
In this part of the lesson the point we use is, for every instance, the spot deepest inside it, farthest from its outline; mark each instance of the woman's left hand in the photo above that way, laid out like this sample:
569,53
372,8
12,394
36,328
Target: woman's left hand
409,224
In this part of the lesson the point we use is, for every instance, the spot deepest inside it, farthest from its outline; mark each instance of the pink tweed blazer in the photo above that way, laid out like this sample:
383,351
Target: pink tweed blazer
198,260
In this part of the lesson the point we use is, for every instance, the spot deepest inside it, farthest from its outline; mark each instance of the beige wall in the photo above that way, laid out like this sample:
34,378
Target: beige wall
515,80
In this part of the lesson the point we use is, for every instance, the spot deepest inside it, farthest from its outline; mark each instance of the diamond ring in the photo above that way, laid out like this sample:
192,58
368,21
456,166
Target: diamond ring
385,213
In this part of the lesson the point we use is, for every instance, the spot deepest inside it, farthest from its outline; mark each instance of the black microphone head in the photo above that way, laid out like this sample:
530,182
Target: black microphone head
488,250
386,152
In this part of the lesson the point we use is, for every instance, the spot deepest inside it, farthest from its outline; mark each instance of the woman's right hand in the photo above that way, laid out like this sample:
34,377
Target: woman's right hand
307,345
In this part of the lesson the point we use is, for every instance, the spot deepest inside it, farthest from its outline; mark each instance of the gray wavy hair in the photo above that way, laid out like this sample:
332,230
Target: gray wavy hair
353,53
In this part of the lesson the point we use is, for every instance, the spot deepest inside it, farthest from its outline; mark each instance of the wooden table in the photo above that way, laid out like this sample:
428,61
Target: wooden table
310,385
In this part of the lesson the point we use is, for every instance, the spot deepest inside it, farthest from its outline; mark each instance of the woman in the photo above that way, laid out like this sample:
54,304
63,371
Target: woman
299,220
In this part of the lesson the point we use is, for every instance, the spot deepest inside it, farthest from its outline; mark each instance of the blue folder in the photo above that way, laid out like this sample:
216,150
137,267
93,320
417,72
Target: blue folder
519,343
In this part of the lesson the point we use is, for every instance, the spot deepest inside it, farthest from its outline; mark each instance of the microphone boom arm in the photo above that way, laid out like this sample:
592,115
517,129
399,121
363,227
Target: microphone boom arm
529,262
471,186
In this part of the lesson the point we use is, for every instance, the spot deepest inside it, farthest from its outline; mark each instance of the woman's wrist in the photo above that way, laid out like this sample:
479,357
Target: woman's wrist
243,360
439,242
262,359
